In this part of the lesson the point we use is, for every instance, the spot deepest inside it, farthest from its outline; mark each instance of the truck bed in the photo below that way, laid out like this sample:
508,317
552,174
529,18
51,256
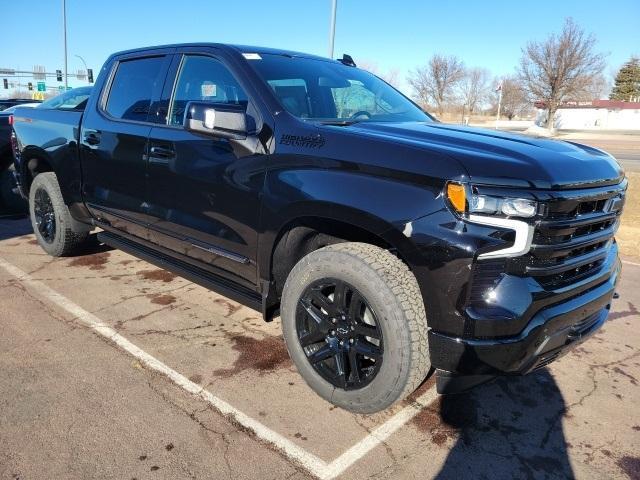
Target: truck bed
54,131
48,129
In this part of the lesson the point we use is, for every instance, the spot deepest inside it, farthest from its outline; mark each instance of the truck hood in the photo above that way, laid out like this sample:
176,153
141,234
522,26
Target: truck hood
501,158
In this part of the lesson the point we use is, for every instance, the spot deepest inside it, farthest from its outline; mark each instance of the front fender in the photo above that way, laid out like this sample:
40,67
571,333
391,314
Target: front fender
380,205
411,217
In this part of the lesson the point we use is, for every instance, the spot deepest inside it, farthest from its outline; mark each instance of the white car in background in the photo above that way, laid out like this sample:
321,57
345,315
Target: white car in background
10,110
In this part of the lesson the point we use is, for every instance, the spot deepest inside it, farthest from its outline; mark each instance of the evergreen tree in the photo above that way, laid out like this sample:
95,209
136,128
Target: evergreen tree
627,82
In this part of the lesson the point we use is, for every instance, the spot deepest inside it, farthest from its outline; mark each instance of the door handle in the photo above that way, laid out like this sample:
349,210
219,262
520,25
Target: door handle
160,155
92,137
161,152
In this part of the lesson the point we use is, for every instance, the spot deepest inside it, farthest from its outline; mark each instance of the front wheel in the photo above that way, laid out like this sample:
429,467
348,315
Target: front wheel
355,326
55,229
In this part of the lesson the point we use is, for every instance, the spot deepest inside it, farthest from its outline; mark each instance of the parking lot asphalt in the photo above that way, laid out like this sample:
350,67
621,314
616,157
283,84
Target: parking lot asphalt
113,368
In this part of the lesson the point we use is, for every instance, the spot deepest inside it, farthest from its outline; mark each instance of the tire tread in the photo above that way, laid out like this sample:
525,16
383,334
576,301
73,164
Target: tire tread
403,284
72,239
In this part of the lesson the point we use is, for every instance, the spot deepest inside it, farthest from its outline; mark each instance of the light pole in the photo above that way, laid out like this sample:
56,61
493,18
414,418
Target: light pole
64,28
332,29
499,103
85,66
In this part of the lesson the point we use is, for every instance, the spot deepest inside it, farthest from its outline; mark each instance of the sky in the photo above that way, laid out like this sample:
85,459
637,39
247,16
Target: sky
399,34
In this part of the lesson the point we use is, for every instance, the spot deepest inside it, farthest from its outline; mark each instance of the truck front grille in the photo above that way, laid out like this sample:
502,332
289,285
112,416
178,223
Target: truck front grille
573,239
570,242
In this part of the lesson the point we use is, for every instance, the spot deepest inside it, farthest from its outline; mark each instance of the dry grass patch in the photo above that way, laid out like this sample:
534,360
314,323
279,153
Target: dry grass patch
629,234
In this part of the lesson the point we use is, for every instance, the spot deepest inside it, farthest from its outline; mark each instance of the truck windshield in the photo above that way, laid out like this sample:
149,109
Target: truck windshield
331,92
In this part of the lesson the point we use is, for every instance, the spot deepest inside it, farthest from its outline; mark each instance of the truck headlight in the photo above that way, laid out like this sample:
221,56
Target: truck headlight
489,205
512,207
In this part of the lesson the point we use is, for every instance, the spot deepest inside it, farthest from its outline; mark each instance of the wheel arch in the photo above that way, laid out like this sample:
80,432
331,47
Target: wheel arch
305,232
34,160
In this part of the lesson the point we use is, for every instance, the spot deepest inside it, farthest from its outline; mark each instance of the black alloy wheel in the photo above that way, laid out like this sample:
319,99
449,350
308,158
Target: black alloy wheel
339,333
45,215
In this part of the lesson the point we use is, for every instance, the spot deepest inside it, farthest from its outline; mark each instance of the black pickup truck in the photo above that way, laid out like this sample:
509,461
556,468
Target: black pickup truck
391,245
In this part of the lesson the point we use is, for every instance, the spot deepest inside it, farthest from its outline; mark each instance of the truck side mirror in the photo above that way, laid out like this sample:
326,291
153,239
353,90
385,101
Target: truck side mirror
219,120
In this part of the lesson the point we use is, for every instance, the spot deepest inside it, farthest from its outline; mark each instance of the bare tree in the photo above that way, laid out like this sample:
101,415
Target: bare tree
514,97
436,81
474,88
561,67
21,93
369,66
390,76
598,88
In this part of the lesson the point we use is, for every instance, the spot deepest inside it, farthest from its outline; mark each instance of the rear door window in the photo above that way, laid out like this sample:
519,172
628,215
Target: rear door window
204,79
133,86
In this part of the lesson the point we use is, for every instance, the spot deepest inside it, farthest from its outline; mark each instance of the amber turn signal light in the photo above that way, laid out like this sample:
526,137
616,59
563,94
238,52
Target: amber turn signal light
457,196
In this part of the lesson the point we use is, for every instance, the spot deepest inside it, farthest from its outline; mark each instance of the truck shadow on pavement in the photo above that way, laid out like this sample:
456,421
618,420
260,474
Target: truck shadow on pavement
12,226
511,428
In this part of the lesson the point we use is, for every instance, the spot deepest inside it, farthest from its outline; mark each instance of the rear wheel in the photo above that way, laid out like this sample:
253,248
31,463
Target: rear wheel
56,231
355,326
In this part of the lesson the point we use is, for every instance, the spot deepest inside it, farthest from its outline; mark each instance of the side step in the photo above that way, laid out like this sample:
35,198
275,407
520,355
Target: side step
195,274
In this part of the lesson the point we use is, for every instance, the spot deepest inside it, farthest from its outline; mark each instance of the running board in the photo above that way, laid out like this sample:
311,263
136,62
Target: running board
195,274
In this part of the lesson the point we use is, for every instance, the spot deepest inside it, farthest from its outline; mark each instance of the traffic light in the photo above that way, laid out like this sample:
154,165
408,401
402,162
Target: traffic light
59,75
30,86
6,83
90,75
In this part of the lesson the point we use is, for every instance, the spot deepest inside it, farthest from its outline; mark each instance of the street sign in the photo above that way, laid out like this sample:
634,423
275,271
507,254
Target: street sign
37,96
39,72
42,87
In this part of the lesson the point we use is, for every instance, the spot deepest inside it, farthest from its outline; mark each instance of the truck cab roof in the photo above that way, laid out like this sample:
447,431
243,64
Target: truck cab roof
229,47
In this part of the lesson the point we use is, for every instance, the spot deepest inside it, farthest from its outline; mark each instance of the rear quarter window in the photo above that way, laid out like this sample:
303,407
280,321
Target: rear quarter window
132,88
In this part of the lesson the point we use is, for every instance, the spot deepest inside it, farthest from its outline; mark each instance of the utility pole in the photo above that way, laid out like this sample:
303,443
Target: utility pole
332,29
499,103
64,28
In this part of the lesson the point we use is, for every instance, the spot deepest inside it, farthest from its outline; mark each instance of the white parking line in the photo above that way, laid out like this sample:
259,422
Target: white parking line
631,263
312,463
379,435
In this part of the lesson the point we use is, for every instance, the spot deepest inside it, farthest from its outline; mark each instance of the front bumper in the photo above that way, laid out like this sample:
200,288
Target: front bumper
549,334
